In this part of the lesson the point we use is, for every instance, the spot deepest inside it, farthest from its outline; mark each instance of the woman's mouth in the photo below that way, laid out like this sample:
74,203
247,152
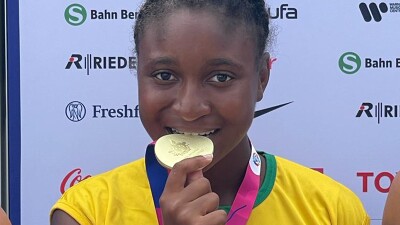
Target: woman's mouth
204,133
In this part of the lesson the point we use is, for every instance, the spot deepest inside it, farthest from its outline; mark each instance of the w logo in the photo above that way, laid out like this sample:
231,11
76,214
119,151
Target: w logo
75,111
373,11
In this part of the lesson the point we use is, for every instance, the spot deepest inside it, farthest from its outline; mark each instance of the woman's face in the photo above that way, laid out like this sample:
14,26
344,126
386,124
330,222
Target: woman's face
196,77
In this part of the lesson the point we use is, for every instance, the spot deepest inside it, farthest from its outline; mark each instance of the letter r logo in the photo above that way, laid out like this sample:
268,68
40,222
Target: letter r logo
365,107
74,59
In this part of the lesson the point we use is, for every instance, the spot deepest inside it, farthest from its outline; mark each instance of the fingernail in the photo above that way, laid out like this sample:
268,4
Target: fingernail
208,156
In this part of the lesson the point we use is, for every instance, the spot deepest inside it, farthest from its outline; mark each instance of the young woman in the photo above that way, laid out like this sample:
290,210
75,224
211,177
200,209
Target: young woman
202,67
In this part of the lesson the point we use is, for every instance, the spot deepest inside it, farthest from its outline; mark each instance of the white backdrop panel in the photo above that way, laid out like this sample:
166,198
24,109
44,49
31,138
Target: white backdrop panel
319,129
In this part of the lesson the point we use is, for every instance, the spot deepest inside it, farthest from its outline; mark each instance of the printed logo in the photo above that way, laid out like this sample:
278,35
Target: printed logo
75,111
72,178
267,110
255,163
374,11
256,159
113,15
90,62
319,169
381,180
349,63
378,111
283,12
75,14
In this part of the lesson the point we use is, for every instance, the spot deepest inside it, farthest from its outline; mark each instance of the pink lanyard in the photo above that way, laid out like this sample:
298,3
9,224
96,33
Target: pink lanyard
247,193
244,199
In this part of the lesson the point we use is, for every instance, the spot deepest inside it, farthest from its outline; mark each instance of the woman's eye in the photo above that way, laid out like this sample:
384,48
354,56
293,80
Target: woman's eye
165,76
221,78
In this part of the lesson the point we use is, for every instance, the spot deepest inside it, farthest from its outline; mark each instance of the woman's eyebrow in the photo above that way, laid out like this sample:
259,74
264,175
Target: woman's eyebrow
163,60
171,61
222,62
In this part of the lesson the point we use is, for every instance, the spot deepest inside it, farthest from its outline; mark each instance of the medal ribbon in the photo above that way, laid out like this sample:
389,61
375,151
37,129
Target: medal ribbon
244,199
157,176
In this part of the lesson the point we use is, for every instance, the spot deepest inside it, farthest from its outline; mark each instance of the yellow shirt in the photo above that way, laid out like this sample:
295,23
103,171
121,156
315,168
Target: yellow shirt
290,194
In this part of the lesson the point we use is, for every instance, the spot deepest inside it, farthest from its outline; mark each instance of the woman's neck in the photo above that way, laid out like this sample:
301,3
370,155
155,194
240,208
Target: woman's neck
227,175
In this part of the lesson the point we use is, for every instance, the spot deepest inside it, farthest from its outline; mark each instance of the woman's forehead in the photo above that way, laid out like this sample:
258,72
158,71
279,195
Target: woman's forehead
187,25
209,17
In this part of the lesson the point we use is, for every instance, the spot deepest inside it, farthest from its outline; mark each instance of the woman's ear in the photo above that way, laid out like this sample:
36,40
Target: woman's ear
263,74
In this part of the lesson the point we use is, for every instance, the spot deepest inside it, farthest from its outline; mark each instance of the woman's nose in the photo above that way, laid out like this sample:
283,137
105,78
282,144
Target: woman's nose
192,102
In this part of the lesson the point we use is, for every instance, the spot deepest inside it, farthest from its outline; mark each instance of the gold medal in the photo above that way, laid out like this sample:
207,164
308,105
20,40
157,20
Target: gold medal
173,148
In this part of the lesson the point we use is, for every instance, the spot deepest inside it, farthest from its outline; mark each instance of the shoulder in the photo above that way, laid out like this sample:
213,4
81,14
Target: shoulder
101,189
133,173
4,220
291,172
320,190
125,188
391,214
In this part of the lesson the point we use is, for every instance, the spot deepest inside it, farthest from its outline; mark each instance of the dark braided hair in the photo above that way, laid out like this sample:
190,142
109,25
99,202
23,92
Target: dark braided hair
251,13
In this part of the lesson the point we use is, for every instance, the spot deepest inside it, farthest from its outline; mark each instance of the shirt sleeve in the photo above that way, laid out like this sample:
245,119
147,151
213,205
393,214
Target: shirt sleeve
78,203
350,210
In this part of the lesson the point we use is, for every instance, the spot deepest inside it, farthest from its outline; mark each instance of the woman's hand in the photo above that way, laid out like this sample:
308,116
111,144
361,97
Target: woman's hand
187,198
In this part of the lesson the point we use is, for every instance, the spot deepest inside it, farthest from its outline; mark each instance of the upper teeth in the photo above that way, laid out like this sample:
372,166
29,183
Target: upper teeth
190,133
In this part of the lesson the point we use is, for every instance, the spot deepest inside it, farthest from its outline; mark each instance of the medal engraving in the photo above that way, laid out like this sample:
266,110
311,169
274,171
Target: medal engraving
179,148
173,148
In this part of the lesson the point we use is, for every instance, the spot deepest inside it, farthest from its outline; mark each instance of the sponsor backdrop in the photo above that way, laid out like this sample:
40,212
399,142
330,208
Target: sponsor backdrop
337,63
